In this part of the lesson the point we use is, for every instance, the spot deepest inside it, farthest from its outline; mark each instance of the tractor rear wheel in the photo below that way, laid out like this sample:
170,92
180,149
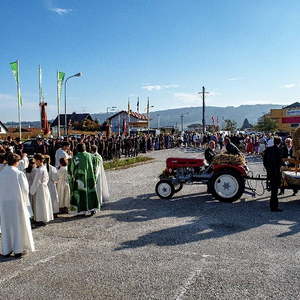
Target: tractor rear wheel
227,186
165,189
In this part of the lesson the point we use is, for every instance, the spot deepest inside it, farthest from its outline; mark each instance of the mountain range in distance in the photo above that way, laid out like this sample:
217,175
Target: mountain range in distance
191,115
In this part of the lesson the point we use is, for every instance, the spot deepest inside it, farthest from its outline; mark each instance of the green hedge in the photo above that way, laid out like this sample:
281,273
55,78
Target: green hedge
122,163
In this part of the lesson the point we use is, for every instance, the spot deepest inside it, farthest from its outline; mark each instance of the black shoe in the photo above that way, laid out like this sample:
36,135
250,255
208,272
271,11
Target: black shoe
7,255
276,210
18,255
281,193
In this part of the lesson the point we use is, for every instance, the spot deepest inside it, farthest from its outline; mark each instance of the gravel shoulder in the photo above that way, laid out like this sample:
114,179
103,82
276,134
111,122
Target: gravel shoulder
141,247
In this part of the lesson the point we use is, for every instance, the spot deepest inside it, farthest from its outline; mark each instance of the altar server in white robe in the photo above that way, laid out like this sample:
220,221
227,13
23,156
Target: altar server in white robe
43,212
101,182
53,178
16,234
63,187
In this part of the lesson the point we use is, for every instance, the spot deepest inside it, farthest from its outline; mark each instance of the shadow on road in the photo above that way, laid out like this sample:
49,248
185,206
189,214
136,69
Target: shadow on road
209,218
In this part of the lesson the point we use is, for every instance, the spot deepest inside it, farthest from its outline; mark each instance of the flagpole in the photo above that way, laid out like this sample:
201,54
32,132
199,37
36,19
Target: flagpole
40,94
128,116
19,104
148,109
58,105
40,84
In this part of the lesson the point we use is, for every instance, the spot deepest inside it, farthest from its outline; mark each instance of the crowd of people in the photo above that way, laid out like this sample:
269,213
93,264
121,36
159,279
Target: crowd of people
251,144
109,148
33,191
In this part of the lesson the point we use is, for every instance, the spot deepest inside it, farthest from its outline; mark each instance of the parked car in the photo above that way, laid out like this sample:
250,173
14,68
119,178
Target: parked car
29,147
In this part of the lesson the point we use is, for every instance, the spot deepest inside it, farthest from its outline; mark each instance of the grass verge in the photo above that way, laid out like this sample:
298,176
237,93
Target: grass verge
125,163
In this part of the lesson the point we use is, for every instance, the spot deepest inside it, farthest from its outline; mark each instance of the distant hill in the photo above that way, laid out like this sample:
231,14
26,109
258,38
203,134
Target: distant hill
171,117
25,124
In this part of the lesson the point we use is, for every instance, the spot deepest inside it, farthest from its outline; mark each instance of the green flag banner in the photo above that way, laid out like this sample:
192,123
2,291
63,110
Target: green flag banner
15,70
60,80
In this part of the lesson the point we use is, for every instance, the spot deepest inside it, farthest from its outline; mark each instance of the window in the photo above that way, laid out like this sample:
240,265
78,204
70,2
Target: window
294,125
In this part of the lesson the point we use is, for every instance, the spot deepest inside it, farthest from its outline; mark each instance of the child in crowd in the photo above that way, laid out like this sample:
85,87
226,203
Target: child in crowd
53,178
43,212
63,188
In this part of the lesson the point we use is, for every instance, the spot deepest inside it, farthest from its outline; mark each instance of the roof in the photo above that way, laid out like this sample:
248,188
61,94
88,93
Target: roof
71,118
3,126
132,113
294,105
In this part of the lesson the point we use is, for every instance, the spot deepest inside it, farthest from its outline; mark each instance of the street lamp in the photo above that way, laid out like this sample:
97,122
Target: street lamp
75,75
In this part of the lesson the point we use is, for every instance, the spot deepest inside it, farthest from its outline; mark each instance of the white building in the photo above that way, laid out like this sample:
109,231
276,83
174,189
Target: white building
121,122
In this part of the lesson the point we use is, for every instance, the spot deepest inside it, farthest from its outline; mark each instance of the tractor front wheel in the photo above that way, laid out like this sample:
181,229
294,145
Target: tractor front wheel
165,189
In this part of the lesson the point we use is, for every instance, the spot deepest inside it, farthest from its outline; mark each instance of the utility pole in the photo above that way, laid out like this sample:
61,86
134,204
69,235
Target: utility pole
203,108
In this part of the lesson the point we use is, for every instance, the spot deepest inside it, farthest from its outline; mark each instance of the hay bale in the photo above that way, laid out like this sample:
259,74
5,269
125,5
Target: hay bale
296,140
229,159
291,178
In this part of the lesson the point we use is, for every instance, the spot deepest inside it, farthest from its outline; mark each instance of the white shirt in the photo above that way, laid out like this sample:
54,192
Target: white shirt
60,153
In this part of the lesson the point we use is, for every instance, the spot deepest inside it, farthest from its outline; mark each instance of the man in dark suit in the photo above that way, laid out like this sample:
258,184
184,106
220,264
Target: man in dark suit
230,147
210,153
272,163
287,151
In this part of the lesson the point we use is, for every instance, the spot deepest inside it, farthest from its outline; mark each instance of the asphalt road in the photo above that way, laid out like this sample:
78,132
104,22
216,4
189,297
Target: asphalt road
141,247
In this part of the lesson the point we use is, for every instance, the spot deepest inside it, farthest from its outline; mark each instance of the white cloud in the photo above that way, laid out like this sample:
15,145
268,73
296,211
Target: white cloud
7,97
288,86
193,98
158,87
61,11
188,97
235,78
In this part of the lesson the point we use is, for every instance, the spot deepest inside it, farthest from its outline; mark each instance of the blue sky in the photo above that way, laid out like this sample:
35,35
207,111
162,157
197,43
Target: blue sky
244,52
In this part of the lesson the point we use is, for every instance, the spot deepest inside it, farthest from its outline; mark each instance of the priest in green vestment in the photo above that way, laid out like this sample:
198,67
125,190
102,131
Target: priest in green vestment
83,181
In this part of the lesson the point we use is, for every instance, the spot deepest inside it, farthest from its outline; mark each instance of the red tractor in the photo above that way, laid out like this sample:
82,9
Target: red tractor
226,182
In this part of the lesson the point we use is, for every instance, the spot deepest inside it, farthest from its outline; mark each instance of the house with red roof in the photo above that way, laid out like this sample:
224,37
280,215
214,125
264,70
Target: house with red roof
122,122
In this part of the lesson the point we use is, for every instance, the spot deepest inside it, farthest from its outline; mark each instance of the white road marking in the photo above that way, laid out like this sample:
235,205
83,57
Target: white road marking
41,261
190,281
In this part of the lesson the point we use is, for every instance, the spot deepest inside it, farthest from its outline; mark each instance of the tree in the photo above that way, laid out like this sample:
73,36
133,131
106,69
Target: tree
266,125
230,125
87,125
